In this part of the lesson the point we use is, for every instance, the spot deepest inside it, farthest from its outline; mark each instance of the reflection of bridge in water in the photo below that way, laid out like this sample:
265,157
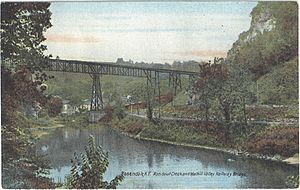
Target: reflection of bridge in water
95,69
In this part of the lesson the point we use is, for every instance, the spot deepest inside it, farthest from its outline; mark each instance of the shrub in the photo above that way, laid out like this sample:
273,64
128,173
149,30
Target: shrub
292,181
269,113
135,128
108,114
283,141
88,172
54,106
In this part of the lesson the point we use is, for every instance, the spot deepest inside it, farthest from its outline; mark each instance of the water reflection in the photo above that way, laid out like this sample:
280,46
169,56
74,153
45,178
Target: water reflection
127,154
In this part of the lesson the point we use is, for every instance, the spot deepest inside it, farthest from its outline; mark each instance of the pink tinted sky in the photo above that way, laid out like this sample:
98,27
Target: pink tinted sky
146,31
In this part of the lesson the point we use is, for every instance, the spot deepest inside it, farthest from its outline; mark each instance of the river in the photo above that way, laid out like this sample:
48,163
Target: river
170,166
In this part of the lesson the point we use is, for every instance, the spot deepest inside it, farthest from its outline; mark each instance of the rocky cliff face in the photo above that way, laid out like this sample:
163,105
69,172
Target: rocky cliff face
269,49
262,21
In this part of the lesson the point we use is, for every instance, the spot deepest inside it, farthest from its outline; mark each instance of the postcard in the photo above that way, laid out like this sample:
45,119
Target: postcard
149,95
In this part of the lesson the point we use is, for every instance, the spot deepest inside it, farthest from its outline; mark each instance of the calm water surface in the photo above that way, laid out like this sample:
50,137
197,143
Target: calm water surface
131,155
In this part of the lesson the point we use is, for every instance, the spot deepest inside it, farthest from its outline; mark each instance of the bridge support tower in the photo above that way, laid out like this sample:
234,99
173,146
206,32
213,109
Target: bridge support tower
153,82
175,82
96,106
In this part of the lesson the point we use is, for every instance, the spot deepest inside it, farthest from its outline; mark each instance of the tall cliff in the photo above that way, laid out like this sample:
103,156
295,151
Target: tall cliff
270,50
274,26
262,21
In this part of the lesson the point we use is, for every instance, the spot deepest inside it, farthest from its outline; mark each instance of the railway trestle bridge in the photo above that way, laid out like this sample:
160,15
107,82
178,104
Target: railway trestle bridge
96,69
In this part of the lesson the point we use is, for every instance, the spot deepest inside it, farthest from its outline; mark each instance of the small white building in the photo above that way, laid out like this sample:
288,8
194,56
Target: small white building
68,109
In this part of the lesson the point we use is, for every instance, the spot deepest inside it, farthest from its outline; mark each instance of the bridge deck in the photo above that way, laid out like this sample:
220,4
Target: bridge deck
109,68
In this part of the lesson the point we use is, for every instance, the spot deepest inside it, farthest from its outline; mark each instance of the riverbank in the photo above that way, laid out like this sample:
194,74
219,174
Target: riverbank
294,160
197,136
244,141
39,131
44,126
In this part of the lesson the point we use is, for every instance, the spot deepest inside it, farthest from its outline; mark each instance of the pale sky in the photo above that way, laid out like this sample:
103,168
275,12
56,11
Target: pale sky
146,31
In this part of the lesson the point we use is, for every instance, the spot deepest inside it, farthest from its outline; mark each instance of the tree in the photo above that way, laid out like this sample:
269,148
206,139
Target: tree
203,89
54,106
22,27
237,89
280,86
88,172
145,94
209,86
222,88
17,90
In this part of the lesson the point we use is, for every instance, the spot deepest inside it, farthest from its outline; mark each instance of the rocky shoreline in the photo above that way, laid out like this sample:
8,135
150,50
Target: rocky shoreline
291,160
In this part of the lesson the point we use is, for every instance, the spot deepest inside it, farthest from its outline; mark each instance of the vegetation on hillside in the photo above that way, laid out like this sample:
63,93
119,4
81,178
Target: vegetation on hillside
261,68
77,87
223,90
280,85
270,50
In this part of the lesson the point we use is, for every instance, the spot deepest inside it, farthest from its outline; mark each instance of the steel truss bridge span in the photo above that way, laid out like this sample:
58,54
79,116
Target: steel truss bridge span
96,69
109,68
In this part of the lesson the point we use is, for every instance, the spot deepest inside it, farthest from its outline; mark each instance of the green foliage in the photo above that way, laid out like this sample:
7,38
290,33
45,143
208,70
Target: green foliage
223,88
275,46
272,113
198,133
88,172
271,55
17,91
77,87
280,86
74,121
179,100
181,111
21,168
260,139
184,133
22,28
293,181
286,16
73,87
119,109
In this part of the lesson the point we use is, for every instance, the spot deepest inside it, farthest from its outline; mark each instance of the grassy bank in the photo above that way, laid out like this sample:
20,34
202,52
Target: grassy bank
261,141
43,126
263,113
